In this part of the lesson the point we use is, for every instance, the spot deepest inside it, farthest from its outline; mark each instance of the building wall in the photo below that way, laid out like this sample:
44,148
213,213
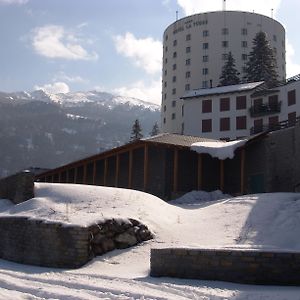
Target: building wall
234,265
184,40
193,114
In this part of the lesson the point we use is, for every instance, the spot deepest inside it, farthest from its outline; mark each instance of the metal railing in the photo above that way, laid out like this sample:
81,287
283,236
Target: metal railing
265,109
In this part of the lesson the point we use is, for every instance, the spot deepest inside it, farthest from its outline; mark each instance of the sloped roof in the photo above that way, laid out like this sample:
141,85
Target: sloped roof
222,90
176,139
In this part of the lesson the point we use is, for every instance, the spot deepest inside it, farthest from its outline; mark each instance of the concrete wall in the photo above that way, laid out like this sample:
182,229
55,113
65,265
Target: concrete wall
40,243
243,266
18,187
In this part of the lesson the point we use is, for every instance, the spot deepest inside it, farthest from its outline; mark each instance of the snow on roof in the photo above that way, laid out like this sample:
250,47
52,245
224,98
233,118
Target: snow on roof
219,149
222,89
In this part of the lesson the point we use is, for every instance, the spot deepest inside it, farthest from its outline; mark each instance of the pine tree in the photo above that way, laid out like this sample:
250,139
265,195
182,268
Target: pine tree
229,75
136,132
261,65
155,130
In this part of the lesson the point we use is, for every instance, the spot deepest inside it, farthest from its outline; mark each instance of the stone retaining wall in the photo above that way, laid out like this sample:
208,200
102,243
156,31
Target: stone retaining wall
242,266
18,187
53,244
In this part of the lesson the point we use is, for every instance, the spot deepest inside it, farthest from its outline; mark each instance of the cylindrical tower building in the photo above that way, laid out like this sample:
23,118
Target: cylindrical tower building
196,47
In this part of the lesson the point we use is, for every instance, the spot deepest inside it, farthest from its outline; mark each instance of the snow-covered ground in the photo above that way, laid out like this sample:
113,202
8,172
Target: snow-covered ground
265,221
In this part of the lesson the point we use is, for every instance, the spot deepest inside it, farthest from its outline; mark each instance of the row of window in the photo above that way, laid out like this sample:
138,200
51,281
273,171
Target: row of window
224,31
240,124
224,104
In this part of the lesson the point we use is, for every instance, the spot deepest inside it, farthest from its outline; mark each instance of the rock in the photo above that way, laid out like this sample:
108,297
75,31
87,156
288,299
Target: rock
108,245
98,238
125,240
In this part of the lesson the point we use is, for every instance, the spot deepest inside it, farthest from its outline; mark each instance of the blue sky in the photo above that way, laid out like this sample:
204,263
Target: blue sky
107,45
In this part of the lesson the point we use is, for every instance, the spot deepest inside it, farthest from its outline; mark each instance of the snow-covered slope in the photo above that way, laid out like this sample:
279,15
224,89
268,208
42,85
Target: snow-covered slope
264,220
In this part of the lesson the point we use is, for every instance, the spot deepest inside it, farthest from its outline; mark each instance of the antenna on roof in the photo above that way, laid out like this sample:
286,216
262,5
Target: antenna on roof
272,10
224,5
176,15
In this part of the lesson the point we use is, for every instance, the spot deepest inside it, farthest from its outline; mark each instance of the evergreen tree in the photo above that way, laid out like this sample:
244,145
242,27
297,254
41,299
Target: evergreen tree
229,75
155,130
261,65
136,132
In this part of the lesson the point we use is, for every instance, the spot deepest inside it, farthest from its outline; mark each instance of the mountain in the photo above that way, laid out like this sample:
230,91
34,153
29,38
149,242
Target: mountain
38,129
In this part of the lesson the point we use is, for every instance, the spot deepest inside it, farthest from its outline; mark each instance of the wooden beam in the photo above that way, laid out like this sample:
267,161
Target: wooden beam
117,169
75,175
146,155
175,173
221,175
105,171
67,176
130,169
59,177
199,172
242,171
94,172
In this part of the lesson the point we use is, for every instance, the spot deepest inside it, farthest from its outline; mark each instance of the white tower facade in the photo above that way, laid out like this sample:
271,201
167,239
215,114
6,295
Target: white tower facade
196,47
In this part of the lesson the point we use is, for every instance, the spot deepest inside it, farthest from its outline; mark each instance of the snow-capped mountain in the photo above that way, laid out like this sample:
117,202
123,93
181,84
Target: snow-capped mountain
47,130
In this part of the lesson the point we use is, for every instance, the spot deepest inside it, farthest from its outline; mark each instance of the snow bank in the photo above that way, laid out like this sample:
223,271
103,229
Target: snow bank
198,197
218,149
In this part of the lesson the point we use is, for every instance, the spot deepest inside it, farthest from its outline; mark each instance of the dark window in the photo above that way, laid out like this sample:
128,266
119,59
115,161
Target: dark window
173,91
165,96
257,103
292,97
258,125
188,37
174,54
224,104
174,66
182,110
165,84
188,49
244,44
273,121
273,102
205,58
187,74
244,56
206,125
188,62
175,43
187,87
241,102
225,44
165,108
292,118
174,79
206,106
205,32
225,31
224,124
241,122
244,31
165,72
166,60
164,120
205,45
173,116
204,71
173,103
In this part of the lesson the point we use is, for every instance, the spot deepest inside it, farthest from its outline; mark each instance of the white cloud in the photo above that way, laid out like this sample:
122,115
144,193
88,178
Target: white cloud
291,68
55,42
146,53
148,92
64,77
8,2
55,88
197,6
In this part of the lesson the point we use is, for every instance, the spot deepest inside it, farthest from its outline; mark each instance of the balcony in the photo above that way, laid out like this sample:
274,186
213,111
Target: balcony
265,109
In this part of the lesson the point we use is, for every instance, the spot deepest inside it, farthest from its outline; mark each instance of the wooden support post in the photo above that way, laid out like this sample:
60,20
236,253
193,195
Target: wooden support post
175,174
146,152
199,172
67,176
222,175
105,171
52,178
130,169
75,174
94,172
59,177
242,171
117,169
84,173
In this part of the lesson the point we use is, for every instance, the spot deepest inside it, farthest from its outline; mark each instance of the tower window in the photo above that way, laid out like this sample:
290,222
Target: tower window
244,31
205,45
225,31
205,32
187,49
204,71
224,44
175,43
188,61
244,44
205,58
188,37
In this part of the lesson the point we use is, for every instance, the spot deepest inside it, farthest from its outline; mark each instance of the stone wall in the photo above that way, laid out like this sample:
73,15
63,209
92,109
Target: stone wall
58,245
18,187
40,243
242,266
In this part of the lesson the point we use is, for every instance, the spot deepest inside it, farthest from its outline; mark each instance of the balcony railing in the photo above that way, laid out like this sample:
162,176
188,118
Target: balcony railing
265,109
276,126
